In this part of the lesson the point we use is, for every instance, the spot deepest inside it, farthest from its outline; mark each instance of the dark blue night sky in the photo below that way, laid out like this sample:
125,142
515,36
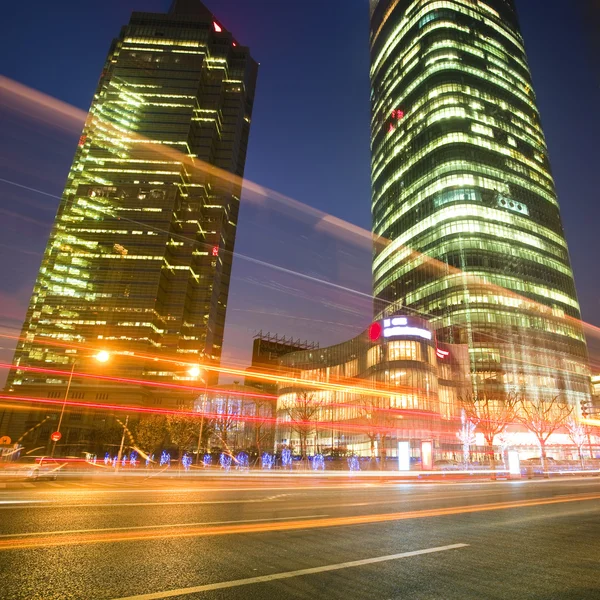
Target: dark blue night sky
309,140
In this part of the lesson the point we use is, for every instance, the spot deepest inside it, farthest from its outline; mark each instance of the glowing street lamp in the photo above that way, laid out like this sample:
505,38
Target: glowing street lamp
194,371
102,356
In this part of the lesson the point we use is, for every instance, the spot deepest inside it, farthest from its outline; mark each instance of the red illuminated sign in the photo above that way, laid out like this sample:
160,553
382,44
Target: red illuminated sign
441,353
82,140
56,436
395,117
375,331
215,251
217,27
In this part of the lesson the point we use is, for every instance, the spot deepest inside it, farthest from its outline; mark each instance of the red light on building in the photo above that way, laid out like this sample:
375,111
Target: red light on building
215,251
375,332
234,44
217,27
441,353
391,129
82,140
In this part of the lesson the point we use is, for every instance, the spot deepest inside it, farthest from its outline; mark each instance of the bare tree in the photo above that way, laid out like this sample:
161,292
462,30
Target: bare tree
149,432
302,413
183,431
578,434
490,417
466,434
543,418
227,414
376,421
262,422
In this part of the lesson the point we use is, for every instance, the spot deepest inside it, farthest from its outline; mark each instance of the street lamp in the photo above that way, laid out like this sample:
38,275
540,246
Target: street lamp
102,356
195,372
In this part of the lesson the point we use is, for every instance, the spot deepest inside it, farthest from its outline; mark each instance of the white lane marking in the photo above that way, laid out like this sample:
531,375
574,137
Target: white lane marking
287,575
55,504
176,490
164,526
21,502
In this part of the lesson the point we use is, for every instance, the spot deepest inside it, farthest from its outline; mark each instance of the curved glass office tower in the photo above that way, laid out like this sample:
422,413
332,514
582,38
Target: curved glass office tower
463,198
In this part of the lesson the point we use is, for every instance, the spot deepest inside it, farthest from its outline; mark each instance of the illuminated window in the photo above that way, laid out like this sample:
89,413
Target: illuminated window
374,356
404,350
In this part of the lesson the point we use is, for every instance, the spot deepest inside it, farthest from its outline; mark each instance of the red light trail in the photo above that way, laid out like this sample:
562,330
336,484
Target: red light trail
128,408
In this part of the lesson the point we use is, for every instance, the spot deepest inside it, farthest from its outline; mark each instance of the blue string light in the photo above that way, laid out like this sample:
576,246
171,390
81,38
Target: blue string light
207,460
165,459
225,461
318,462
242,461
286,458
267,461
186,461
353,463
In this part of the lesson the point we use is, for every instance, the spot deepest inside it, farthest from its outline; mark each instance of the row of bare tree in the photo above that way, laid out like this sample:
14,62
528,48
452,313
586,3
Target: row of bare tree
489,416
376,422
492,416
190,433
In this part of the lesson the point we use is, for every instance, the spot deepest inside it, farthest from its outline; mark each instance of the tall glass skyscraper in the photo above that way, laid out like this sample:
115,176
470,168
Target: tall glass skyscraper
140,255
463,197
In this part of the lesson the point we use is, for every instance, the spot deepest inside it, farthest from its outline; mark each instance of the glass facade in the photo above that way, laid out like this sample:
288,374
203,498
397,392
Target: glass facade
139,258
238,417
464,204
387,384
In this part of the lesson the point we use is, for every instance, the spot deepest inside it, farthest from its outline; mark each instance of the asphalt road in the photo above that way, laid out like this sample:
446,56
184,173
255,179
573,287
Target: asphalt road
238,538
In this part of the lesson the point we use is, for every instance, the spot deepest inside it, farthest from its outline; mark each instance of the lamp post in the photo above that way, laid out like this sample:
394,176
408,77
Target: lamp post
195,372
120,455
102,357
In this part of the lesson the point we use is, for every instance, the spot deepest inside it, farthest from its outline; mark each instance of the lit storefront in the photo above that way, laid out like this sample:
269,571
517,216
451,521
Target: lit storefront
393,382
237,417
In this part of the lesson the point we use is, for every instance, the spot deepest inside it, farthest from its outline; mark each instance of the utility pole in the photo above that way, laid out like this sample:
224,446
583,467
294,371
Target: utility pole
62,412
121,447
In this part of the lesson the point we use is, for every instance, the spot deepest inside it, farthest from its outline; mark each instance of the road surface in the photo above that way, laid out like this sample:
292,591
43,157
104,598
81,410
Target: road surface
240,538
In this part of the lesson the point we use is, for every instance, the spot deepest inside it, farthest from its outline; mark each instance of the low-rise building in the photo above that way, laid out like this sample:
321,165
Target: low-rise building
393,382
